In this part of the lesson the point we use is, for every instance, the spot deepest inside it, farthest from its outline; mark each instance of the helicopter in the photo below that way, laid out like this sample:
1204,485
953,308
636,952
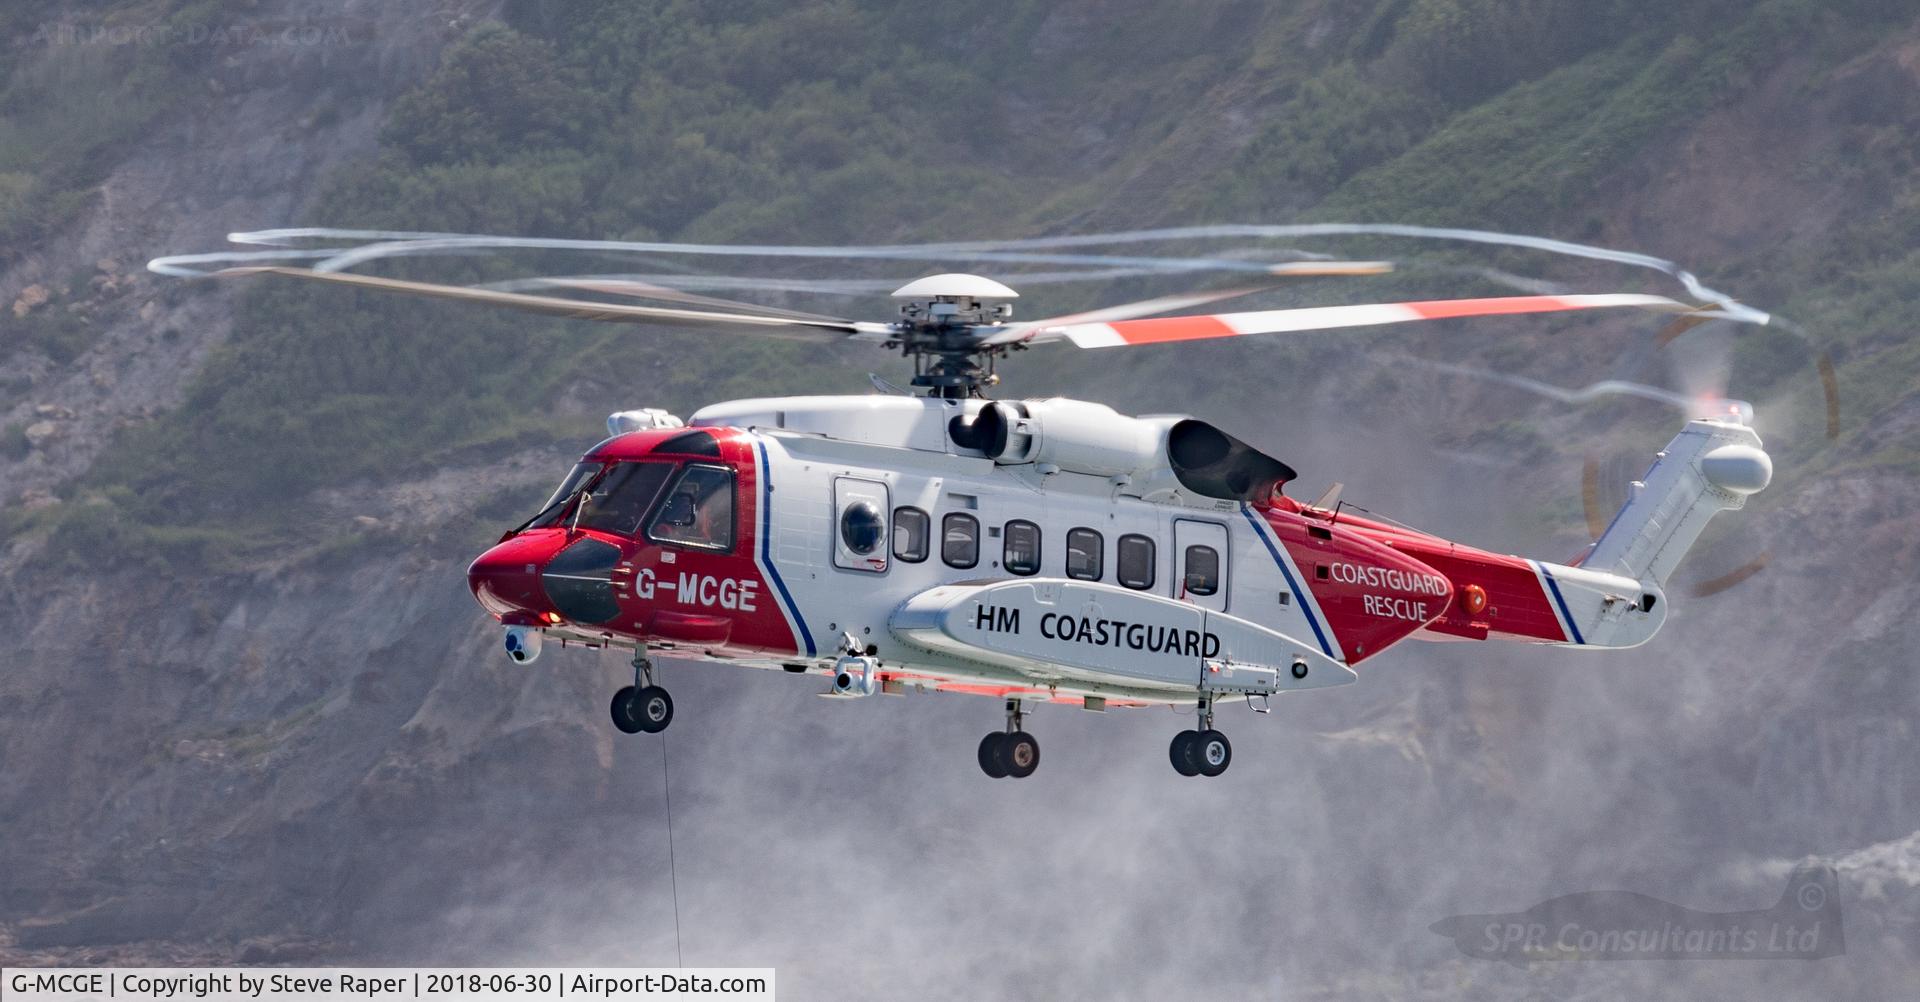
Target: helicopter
1042,551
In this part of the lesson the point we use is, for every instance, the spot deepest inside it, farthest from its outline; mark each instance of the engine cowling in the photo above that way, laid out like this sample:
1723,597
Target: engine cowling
1071,434
1094,439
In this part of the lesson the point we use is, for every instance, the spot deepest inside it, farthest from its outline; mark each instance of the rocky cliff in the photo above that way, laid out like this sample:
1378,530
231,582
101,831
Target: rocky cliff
310,752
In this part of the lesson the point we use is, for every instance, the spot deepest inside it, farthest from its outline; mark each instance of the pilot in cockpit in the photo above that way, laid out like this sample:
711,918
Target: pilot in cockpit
699,512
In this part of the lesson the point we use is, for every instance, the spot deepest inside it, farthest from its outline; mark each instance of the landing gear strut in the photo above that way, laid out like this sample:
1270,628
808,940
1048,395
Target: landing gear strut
1012,752
642,706
1205,752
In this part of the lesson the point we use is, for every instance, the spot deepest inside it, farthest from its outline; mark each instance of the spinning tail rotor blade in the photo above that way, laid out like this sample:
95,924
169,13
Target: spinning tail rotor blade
1716,585
1313,318
777,326
1702,357
1830,385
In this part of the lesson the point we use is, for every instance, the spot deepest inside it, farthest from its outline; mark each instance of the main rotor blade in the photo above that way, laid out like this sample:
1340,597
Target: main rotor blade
641,289
392,242
1313,318
1181,301
578,310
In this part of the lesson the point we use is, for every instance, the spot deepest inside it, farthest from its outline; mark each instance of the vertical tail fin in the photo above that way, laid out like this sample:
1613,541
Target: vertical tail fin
1710,467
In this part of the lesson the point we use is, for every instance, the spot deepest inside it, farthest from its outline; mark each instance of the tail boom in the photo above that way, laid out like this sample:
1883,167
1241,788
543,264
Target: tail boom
1613,596
1497,596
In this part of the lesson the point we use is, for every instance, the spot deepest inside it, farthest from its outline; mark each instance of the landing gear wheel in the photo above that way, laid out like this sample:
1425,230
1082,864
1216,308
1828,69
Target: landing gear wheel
623,711
1181,753
991,761
1021,753
653,708
647,708
1211,752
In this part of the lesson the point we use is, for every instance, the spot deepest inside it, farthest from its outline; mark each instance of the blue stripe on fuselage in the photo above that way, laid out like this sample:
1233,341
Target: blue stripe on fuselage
1554,587
766,547
1293,586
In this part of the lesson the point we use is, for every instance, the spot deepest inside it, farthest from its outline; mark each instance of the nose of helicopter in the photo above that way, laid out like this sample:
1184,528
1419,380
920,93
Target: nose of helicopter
506,579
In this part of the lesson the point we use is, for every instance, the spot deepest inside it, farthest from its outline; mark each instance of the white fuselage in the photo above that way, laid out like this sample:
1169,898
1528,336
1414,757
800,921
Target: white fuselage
895,454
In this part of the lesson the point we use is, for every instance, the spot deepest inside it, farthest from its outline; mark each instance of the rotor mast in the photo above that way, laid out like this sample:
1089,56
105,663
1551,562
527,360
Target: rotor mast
941,318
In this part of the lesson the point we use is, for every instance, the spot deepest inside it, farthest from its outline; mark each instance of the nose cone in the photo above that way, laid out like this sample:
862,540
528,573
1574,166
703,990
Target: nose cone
506,579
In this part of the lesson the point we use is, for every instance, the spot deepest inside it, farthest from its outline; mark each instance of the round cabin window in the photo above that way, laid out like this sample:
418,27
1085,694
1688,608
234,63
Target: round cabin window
861,528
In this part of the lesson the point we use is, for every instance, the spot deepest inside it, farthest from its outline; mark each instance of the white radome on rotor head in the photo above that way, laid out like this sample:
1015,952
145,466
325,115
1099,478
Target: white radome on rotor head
954,285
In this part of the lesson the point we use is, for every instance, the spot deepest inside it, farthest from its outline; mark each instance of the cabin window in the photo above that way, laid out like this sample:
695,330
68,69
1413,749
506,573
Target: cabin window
911,529
860,527
1020,553
1136,561
1085,552
619,502
698,511
960,540
1203,571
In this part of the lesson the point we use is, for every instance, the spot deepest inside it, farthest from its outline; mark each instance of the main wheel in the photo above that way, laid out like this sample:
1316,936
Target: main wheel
1021,753
652,709
624,711
991,761
1212,753
1181,753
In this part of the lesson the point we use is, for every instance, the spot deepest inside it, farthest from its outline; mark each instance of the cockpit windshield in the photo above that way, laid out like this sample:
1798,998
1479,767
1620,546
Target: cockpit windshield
617,497
577,476
556,506
619,501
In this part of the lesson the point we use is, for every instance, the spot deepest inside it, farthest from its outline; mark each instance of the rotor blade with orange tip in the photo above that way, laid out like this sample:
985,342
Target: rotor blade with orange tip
1180,301
576,309
1313,318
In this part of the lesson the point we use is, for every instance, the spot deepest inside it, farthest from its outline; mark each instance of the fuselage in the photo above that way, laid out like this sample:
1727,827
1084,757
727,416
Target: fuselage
783,533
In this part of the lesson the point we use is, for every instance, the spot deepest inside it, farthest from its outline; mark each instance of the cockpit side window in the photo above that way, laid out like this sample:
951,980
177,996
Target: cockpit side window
698,511
619,502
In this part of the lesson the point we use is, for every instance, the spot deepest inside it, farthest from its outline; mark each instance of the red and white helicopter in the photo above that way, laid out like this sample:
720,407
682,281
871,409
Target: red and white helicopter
1036,551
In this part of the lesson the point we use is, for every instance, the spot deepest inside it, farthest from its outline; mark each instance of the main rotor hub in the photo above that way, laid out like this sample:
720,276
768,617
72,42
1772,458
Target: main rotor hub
955,298
939,325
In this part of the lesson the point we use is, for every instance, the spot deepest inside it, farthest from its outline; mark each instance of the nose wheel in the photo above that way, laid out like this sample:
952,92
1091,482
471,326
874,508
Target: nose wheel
642,706
1010,753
